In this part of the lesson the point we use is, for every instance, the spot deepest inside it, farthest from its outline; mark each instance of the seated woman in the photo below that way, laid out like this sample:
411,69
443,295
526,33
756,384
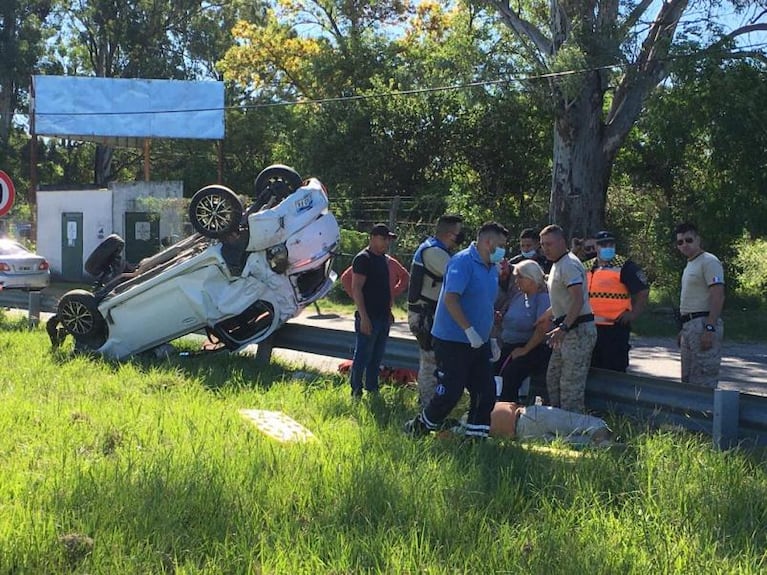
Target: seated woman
524,352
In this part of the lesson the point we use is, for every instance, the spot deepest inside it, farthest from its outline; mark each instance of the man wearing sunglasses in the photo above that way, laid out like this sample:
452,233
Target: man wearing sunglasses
700,308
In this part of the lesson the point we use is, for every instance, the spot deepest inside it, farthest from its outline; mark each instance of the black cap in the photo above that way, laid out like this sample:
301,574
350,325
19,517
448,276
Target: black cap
604,237
382,230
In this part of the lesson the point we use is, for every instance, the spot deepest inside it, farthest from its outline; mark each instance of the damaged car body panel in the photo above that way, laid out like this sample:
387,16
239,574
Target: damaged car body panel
240,283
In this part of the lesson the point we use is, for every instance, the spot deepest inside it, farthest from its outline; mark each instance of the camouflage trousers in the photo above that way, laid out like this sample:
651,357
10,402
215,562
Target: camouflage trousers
700,367
569,367
427,378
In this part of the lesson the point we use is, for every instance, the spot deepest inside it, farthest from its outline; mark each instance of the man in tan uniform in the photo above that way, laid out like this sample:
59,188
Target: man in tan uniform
700,308
574,334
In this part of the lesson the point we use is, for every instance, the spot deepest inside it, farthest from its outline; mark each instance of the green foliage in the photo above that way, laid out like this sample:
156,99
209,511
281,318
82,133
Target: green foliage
750,268
148,468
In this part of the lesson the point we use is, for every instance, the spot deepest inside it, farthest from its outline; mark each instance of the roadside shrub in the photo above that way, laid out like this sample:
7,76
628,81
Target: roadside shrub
750,267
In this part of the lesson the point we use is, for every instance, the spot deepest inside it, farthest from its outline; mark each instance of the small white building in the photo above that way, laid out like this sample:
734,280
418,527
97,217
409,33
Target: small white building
71,223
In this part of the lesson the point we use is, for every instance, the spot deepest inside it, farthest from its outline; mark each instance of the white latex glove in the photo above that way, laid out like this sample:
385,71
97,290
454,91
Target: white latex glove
495,350
473,336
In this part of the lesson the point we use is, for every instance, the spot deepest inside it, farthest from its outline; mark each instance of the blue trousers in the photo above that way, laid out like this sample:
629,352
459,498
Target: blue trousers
368,353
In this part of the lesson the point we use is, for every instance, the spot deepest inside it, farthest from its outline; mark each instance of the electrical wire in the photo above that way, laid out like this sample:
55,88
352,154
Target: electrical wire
521,78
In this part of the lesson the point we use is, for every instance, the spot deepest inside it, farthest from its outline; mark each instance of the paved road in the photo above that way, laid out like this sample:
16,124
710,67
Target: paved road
744,365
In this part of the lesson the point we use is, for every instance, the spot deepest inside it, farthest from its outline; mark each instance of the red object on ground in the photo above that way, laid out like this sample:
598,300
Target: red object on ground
398,375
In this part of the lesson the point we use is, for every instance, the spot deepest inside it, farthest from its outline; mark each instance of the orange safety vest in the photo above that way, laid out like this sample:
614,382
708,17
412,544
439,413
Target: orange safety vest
609,297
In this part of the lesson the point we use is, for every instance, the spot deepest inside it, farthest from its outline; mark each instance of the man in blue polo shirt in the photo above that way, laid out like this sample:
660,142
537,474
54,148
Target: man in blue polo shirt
461,332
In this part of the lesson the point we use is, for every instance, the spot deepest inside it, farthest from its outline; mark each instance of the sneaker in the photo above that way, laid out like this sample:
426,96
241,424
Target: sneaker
602,437
415,427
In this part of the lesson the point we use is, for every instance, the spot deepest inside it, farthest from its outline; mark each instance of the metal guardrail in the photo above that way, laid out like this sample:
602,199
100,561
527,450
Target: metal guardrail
729,416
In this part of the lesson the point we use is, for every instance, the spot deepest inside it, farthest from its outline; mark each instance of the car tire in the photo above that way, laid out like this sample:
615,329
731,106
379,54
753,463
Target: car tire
78,312
215,211
100,259
277,180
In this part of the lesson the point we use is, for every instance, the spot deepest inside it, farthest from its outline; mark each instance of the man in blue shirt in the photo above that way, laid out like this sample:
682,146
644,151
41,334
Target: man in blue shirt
461,332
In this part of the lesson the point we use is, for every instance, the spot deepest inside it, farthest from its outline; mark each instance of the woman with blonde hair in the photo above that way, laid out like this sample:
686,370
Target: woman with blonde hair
524,352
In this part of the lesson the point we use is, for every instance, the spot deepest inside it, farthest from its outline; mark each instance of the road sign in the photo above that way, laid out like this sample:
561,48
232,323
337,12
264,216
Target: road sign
7,193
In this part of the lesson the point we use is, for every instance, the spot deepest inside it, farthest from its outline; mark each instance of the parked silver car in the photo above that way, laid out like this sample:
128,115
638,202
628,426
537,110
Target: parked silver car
22,269
240,277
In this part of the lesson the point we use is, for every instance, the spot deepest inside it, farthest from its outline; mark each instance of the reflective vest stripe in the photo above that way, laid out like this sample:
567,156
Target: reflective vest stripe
608,296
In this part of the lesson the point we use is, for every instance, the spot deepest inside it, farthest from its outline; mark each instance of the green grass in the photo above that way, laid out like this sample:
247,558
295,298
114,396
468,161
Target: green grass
147,467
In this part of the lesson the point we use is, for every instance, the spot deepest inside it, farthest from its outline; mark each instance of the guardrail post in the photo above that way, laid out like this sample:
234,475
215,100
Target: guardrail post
726,415
34,308
264,351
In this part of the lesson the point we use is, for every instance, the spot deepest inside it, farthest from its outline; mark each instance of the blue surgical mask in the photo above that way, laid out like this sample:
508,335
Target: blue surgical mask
497,255
529,255
606,254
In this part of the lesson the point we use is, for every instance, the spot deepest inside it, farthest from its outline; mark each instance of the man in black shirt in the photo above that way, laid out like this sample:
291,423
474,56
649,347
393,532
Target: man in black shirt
372,297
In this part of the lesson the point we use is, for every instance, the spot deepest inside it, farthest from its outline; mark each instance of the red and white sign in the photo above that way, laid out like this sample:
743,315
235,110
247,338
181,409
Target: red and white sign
7,193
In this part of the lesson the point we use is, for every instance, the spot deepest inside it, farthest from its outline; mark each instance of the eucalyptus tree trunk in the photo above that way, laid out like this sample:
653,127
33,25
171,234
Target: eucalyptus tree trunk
581,166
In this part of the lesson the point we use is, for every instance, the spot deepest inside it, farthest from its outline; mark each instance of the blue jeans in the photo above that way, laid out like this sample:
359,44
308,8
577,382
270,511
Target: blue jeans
368,353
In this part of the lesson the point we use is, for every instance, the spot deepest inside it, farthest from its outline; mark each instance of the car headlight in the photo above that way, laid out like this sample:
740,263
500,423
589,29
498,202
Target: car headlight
277,256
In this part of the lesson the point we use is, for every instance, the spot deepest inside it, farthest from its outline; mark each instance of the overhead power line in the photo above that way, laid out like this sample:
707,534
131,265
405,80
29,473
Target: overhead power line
519,78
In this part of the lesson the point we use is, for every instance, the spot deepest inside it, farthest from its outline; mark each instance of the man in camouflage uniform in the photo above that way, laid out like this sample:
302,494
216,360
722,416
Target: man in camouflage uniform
700,308
426,275
574,335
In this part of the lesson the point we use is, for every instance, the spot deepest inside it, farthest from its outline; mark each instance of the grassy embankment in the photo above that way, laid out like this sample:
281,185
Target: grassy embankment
147,467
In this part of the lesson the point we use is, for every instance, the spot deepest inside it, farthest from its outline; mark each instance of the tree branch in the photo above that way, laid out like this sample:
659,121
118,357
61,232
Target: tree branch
647,72
635,15
525,30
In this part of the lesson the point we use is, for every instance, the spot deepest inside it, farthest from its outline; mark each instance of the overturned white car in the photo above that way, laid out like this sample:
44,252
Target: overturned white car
239,277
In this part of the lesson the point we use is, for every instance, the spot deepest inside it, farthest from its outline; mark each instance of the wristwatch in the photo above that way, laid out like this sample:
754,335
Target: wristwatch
709,327
564,327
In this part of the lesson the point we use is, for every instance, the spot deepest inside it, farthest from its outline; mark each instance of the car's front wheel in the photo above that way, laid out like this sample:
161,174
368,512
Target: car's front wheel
215,211
79,314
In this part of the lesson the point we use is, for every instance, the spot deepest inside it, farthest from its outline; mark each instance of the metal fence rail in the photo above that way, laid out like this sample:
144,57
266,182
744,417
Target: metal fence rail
731,417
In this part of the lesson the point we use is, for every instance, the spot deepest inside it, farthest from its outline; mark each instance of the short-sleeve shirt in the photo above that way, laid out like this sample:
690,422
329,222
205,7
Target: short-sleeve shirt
565,272
476,283
376,291
518,323
700,273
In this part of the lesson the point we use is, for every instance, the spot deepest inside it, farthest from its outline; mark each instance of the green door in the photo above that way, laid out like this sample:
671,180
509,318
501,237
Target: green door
142,235
72,246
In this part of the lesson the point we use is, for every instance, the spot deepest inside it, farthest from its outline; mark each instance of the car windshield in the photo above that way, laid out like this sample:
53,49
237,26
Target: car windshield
12,249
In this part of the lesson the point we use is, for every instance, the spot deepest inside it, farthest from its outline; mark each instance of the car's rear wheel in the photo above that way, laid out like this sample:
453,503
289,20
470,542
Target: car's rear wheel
278,181
215,211
79,314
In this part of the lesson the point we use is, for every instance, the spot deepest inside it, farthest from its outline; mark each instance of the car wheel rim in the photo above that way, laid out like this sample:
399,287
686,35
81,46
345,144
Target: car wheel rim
77,318
214,213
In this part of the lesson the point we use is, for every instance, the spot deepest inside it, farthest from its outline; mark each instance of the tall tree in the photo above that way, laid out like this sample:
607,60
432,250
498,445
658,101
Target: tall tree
163,39
22,37
614,53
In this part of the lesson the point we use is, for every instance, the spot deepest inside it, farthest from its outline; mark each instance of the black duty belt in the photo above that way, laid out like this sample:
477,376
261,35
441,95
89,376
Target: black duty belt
587,317
685,317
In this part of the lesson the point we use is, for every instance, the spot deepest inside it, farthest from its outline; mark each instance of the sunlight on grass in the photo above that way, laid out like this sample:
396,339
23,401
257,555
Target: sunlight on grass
148,467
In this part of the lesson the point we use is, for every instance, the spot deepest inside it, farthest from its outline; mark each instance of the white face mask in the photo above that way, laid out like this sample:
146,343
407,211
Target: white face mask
529,255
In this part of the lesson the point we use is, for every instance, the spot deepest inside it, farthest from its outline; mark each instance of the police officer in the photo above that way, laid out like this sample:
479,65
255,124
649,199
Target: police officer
426,274
618,292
